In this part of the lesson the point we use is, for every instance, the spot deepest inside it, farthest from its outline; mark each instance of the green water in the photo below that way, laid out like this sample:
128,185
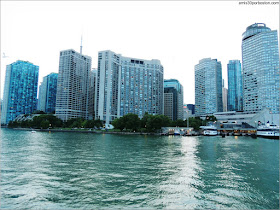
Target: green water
104,171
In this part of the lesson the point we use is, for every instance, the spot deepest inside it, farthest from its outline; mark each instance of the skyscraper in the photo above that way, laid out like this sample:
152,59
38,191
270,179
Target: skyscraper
173,99
208,87
225,96
47,93
235,96
260,59
20,90
72,98
127,85
92,84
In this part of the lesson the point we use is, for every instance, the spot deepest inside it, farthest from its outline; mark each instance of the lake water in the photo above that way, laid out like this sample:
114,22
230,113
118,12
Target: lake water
104,171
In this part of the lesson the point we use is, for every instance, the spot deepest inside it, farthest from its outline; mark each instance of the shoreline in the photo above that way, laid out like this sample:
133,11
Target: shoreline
85,131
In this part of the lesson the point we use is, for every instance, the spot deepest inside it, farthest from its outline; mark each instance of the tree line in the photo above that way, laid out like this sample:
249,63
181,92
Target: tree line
152,123
45,121
130,122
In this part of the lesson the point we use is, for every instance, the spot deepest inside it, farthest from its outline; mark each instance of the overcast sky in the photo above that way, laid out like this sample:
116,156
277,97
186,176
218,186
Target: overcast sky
179,33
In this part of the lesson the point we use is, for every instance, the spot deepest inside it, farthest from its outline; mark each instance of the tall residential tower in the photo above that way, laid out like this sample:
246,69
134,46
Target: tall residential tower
72,98
260,59
20,90
47,93
208,87
127,85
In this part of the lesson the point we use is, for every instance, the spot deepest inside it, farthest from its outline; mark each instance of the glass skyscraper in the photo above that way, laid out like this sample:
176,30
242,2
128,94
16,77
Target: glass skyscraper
72,99
127,85
235,96
208,87
173,99
260,59
20,90
47,93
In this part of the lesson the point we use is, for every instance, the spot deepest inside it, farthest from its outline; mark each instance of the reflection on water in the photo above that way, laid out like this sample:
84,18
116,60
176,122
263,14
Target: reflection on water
72,170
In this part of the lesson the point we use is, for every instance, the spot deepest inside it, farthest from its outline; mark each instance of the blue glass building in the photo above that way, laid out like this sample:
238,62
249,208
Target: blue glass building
260,59
235,96
47,93
208,87
191,107
173,99
20,90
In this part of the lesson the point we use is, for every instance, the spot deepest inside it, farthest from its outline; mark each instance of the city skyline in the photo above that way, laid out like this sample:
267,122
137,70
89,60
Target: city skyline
149,30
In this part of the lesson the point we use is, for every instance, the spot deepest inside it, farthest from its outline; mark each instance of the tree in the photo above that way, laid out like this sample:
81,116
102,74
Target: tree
155,122
119,123
44,124
179,123
132,121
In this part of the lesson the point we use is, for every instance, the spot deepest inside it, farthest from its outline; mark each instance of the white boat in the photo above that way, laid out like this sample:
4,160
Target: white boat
209,130
33,131
177,132
268,131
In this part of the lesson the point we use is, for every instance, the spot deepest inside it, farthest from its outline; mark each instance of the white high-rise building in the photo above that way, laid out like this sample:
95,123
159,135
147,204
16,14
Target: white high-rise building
127,85
260,59
73,85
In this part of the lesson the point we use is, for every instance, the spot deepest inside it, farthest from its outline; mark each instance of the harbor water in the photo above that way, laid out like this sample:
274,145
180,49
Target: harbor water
106,171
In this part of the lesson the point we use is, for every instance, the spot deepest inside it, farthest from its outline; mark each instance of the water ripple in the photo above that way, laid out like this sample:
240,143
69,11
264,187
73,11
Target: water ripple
92,171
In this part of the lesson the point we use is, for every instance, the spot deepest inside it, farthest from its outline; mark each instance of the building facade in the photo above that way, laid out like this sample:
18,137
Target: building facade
235,95
208,87
225,97
72,98
173,99
191,107
92,84
127,85
260,59
189,110
47,93
20,90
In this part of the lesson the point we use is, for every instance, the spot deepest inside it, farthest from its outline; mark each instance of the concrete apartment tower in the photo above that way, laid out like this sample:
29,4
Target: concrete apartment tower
127,85
208,87
20,90
72,100
260,59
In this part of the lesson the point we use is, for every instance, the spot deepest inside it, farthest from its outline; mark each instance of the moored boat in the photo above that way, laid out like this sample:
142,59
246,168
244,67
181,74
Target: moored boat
268,131
209,130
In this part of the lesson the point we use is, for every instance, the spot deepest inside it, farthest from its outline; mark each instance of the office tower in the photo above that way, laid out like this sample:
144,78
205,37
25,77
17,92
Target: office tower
92,83
225,96
191,107
173,99
20,90
127,85
235,96
260,59
73,85
47,93
208,87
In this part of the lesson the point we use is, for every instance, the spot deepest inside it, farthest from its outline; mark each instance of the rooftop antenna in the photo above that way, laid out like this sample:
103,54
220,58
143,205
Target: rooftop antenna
81,47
